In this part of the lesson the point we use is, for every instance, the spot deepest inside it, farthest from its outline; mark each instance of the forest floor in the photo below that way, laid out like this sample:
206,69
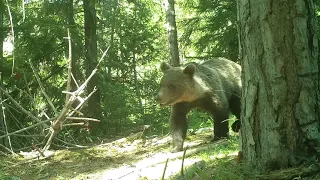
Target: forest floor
133,158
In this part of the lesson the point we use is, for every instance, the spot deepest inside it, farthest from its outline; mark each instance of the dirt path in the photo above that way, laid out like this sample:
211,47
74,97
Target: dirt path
125,158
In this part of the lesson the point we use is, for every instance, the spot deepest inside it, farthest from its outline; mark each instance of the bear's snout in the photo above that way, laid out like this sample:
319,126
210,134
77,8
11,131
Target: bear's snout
160,100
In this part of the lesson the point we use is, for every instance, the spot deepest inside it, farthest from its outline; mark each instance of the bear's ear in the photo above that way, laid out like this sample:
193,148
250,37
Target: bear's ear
164,66
189,70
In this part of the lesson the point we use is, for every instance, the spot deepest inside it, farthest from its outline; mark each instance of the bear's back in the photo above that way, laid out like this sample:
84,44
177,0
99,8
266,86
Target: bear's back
220,74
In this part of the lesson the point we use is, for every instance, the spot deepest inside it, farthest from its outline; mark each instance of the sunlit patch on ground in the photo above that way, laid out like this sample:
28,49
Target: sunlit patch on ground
129,158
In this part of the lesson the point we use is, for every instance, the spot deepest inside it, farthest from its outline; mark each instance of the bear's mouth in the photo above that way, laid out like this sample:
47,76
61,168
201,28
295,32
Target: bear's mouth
168,103
164,104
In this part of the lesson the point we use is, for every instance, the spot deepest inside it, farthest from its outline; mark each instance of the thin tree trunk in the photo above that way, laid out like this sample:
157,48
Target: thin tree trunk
172,33
2,128
136,83
280,75
73,35
90,27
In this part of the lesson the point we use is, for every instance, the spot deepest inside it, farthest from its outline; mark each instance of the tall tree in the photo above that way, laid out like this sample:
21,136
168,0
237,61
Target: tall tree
74,36
2,7
2,141
172,33
90,28
279,50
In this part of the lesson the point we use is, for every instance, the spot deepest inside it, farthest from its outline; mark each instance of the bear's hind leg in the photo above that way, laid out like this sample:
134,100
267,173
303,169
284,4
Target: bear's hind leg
179,126
235,107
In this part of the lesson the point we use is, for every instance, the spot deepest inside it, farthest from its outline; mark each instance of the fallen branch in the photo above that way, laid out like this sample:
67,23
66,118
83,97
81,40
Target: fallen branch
42,88
183,157
37,149
19,106
82,119
29,127
165,168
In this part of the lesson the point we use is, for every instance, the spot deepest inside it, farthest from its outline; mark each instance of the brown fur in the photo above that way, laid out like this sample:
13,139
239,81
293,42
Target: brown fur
214,86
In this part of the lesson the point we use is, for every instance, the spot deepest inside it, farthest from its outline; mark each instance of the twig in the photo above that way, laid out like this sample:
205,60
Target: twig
82,102
82,119
29,127
25,135
165,168
57,125
37,149
4,118
9,150
42,88
19,106
74,124
184,155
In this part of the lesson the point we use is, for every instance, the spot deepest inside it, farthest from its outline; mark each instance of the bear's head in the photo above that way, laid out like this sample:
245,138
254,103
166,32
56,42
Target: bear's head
176,85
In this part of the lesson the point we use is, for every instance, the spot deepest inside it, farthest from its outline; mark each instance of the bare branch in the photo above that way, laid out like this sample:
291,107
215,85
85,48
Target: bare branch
19,106
82,119
184,155
29,127
42,88
74,124
165,168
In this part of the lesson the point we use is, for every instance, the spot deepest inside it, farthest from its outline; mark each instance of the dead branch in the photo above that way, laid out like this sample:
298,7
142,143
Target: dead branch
69,67
7,149
71,97
42,88
165,168
82,119
183,157
29,127
74,124
37,149
19,106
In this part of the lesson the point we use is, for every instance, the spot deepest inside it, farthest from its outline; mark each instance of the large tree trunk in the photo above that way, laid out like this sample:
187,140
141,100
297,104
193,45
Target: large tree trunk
280,105
90,27
172,33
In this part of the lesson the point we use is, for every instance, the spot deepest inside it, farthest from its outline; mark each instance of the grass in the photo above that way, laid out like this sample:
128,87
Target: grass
217,163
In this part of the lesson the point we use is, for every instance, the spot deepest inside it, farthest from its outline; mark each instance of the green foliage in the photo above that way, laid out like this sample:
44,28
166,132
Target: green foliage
5,177
209,29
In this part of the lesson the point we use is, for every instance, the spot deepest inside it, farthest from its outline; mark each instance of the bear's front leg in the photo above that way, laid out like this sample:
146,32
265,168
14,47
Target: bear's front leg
179,125
221,129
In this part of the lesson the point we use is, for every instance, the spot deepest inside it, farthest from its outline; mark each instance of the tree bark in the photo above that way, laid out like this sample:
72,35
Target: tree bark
2,128
280,79
90,27
73,34
172,33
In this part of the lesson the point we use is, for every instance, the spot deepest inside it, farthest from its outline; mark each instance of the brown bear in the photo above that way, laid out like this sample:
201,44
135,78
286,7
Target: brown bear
214,86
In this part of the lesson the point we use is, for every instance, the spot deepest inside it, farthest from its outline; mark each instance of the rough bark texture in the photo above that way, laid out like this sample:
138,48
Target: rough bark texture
90,27
280,98
172,33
